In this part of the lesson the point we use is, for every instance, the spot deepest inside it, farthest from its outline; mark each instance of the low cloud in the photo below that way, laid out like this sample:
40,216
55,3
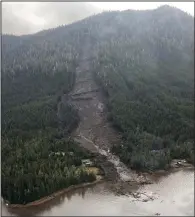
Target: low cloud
27,18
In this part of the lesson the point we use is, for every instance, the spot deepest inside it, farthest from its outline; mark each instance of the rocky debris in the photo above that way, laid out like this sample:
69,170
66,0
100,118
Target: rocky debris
110,171
85,92
101,107
123,188
143,180
126,189
82,98
144,196
87,144
84,80
94,132
157,213
177,163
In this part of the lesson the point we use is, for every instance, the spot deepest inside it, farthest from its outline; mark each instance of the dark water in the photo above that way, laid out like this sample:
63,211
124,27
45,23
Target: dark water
174,195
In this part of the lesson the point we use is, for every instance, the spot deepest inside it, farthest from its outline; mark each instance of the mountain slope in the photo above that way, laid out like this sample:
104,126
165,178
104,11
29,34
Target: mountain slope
142,61
147,73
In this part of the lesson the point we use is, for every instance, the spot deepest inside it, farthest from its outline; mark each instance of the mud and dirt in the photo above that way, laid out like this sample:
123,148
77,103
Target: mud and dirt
94,133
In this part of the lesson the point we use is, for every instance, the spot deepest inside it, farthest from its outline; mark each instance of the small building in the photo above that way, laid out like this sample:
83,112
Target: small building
100,107
57,153
155,151
87,162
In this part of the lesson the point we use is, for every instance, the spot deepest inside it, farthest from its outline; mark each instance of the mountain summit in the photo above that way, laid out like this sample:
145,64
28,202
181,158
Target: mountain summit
116,82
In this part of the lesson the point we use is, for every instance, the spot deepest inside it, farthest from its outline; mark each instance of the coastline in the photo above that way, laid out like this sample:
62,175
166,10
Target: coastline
84,196
99,178
143,179
56,194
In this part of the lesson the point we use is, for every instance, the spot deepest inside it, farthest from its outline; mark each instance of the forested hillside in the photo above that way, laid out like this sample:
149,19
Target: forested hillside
144,63
147,71
38,155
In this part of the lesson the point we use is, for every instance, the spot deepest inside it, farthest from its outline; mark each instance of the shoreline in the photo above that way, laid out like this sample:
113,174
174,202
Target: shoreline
52,196
99,179
145,194
43,200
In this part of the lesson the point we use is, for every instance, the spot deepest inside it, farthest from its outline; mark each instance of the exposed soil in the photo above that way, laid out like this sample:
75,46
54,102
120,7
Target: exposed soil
94,131
95,134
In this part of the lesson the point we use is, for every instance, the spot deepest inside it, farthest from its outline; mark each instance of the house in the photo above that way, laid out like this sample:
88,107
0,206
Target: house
71,153
87,162
155,151
57,153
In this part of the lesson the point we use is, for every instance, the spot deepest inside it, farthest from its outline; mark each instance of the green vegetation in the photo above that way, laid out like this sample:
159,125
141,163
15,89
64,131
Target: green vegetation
143,60
41,166
38,156
148,80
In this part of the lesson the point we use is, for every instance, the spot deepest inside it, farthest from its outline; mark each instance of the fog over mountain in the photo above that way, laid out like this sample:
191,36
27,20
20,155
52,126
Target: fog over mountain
26,18
20,18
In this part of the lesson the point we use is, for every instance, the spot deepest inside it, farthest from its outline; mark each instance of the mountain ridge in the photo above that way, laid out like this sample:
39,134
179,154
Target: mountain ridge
143,64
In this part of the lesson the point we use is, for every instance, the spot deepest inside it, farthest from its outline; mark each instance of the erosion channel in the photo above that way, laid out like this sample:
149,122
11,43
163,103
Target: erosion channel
121,193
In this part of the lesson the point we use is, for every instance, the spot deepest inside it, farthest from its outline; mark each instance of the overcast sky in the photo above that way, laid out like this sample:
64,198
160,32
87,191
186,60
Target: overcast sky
185,6
24,18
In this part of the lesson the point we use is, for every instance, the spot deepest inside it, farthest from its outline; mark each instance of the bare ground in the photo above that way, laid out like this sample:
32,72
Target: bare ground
93,129
94,132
